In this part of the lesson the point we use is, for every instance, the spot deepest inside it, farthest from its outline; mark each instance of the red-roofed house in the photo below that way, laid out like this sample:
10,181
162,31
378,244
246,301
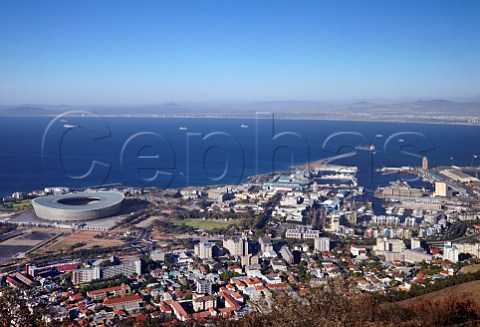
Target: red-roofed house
240,285
201,315
13,282
235,268
67,267
182,294
278,286
155,314
357,250
204,302
257,282
100,294
178,310
230,303
124,303
76,297
249,282
165,308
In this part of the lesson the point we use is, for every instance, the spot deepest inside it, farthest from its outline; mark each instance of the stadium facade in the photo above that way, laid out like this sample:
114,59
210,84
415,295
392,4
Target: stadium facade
78,206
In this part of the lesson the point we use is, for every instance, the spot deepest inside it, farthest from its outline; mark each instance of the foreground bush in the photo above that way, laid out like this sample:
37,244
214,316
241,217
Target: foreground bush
333,306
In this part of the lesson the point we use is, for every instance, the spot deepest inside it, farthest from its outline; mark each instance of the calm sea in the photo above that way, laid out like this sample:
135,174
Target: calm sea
37,152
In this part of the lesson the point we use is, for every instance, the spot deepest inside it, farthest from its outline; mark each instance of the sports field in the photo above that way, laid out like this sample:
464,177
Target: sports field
205,224
84,239
8,207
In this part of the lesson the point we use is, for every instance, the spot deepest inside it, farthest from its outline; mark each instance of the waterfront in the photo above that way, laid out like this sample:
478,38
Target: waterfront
212,151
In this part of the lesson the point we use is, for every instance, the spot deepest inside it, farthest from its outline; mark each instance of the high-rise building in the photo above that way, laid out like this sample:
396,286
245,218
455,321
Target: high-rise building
425,163
265,244
351,217
302,232
417,255
237,246
287,254
85,275
392,245
415,243
441,189
470,248
334,225
203,250
88,274
220,195
396,245
246,260
450,252
322,244
204,286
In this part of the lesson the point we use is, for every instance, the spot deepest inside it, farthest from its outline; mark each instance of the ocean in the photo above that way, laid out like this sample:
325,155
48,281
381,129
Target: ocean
38,152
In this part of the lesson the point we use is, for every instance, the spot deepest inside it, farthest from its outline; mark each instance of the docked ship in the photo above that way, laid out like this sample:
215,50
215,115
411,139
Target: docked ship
340,176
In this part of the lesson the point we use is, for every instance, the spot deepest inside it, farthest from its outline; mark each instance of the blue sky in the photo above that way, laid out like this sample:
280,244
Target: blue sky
150,52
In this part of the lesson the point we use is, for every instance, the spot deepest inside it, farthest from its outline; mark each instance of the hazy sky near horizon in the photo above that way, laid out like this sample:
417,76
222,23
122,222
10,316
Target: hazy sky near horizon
150,52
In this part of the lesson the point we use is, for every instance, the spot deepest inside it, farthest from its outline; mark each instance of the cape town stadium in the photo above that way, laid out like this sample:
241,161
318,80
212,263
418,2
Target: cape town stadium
78,206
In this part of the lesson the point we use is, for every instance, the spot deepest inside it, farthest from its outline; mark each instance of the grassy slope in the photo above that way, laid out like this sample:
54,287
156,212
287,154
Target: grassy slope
470,290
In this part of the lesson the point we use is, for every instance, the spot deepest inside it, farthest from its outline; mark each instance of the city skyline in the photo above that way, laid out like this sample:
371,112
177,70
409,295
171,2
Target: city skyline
90,53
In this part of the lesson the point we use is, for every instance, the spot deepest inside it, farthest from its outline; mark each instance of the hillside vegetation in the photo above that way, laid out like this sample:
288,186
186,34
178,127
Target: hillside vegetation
334,306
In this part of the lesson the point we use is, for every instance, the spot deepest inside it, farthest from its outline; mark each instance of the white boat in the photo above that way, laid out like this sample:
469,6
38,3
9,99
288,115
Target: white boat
365,147
379,135
401,140
68,126
243,126
183,128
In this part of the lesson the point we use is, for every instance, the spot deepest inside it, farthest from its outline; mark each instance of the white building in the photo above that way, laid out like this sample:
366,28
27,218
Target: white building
88,274
287,254
265,244
204,286
415,243
450,252
384,244
470,248
237,246
441,189
322,244
203,250
157,255
302,233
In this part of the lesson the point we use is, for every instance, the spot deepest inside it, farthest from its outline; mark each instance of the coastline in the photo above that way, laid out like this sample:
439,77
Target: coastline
234,121
249,117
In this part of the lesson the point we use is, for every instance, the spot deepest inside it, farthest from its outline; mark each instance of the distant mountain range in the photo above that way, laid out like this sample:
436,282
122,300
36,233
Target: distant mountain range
378,110
25,111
